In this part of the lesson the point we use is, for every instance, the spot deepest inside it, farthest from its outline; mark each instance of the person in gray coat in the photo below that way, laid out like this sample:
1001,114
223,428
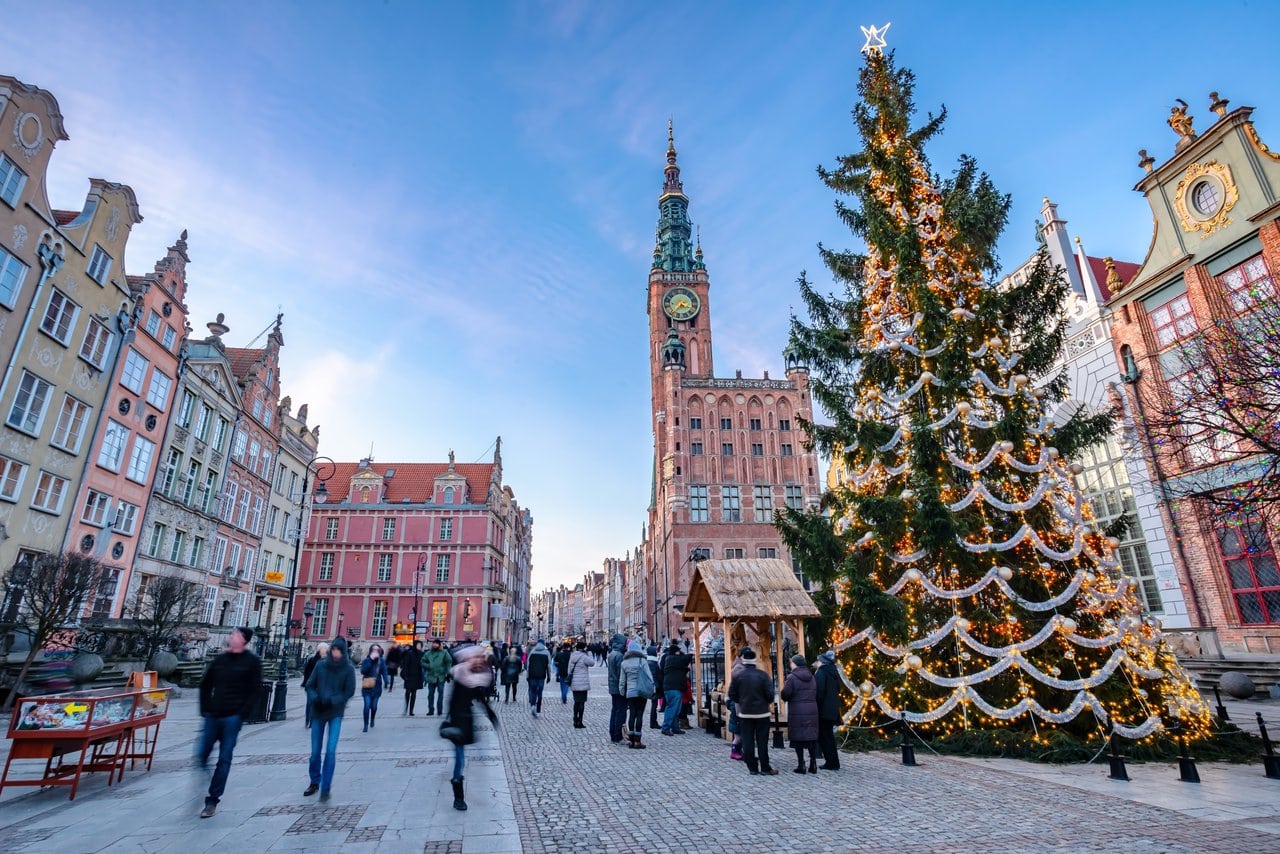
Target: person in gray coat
800,693
617,699
635,682
579,676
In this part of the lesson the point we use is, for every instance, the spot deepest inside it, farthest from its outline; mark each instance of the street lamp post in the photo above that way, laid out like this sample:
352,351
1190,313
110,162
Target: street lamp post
279,705
539,624
419,581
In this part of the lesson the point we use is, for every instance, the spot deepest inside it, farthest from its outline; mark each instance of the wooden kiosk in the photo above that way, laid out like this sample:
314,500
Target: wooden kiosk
757,594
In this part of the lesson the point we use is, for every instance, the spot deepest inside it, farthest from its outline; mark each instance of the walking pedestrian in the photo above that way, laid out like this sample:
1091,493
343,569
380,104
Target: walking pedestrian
411,675
617,699
752,691
651,654
435,669
579,677
562,670
538,674
393,665
511,670
373,675
472,679
227,693
635,682
332,684
828,685
675,668
322,650
800,693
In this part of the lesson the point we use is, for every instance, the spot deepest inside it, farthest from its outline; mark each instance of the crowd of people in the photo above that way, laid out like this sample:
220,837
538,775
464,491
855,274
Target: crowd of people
468,674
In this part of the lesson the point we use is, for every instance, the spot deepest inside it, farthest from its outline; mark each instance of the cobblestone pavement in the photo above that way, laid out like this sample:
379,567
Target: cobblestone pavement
542,786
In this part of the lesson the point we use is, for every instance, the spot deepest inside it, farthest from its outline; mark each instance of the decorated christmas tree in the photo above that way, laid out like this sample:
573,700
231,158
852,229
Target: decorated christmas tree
974,590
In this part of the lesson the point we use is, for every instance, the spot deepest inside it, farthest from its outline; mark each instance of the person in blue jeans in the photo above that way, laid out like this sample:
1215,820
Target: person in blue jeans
227,693
675,671
472,682
332,684
562,670
373,676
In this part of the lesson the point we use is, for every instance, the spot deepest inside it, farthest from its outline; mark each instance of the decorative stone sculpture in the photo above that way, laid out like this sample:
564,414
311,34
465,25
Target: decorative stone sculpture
1237,685
164,663
86,667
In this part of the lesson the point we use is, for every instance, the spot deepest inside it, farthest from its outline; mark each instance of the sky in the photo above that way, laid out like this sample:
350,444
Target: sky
453,204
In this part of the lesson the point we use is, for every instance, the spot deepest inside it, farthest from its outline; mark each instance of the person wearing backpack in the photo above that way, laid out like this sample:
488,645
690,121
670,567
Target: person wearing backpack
511,668
635,683
580,664
562,670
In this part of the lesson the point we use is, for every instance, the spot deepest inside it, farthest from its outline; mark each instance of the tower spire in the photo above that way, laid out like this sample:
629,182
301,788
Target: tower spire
675,232
672,185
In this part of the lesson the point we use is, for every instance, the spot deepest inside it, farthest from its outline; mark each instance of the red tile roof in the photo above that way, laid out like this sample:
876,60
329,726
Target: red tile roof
1127,270
242,359
64,217
414,481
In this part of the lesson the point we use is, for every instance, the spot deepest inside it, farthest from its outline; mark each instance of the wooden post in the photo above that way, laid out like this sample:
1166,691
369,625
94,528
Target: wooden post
728,667
697,674
800,635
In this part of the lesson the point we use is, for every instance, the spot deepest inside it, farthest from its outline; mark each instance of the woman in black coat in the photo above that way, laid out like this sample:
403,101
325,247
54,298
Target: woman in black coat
472,681
800,693
411,676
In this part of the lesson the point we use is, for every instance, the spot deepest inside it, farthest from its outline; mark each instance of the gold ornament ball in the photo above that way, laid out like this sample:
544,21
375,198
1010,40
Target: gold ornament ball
1067,624
1005,572
926,376
894,346
1006,446
963,407
1076,468
1051,452
1020,380
914,575
962,624
914,662
866,688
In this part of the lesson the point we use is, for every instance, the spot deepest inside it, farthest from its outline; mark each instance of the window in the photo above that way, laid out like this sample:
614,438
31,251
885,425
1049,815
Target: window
153,324
326,566
784,424
255,517
59,316
695,449
257,407
242,512
197,552
249,564
114,438
448,495
178,546
273,517
384,567
1250,560
210,602
69,430
220,435
140,459
169,475
170,337
726,449
1173,321
757,449
1247,284
379,618
99,265
388,529
266,417
794,497
50,490
97,341
97,506
192,478
442,569
320,619
126,518
331,528
255,455
29,403
11,474
156,547
762,498
219,553
732,554
755,424
135,370
698,511
158,392
12,274
785,448
238,444
730,504
210,491
446,530
726,423
106,594
439,619
11,180
695,422
186,408
233,559
767,552
202,423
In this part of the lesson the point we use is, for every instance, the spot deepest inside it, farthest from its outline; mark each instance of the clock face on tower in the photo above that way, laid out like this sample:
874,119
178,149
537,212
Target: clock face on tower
681,304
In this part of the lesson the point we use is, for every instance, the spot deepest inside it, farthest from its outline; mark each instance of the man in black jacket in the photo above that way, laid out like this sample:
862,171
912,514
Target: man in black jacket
675,670
562,670
227,692
751,691
828,710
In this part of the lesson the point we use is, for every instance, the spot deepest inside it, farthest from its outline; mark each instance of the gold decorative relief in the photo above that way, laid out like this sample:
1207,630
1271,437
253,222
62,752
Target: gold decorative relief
1252,132
1204,196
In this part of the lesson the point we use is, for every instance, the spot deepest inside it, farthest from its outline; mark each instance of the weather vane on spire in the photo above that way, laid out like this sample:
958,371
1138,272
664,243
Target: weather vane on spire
875,38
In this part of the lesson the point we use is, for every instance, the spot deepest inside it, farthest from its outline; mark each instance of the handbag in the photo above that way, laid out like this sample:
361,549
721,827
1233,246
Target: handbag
449,732
368,682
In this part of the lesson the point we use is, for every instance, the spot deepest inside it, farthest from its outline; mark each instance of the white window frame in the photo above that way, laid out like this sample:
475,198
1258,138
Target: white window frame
12,473
13,271
115,438
155,546
446,530
97,507
325,570
144,450
99,265
384,567
233,559
96,344
69,430
158,390
378,624
134,371
178,545
52,487
219,555
29,404
442,568
12,180
170,337
210,602
153,323
59,318
389,529
126,518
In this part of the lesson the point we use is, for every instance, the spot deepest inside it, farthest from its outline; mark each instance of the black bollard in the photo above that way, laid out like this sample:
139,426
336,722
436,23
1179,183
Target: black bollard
1118,771
1187,772
1223,717
1270,762
908,746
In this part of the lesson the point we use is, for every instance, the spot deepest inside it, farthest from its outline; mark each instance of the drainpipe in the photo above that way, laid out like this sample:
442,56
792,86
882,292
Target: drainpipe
51,261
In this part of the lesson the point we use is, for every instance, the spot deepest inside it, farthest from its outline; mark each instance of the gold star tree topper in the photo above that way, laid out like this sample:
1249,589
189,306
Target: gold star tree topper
875,38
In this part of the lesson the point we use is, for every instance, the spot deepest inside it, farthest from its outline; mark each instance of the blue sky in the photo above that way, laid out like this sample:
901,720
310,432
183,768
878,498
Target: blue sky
453,204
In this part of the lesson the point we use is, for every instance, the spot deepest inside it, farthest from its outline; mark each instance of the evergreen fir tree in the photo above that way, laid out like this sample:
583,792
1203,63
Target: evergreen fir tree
973,590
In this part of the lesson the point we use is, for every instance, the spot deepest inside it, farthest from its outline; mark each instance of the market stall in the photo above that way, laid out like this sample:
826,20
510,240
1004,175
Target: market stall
78,731
756,600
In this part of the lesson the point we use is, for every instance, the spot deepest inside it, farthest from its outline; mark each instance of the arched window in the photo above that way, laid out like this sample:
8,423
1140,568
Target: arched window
448,495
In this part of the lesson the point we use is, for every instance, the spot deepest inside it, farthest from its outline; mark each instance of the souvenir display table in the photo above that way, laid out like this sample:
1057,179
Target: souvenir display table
79,731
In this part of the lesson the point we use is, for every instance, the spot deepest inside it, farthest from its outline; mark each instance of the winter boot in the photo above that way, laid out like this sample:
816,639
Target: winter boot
636,742
373,716
458,802
813,761
799,760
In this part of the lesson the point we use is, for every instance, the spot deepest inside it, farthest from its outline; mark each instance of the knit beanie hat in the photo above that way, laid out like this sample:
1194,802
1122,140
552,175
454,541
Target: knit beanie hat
798,661
652,650
829,657
749,657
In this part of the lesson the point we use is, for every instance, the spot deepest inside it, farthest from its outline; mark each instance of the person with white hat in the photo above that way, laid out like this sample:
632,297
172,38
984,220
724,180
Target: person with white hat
751,690
472,681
